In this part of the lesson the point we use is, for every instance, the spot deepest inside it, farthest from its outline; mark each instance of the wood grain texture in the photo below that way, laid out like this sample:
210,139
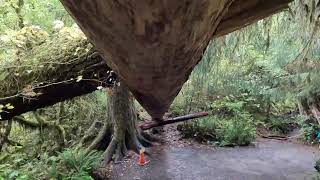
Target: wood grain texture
153,45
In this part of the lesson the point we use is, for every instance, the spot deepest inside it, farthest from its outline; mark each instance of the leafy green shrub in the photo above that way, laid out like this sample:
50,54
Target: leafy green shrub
310,133
309,128
281,126
230,106
75,164
201,130
232,125
239,130
176,110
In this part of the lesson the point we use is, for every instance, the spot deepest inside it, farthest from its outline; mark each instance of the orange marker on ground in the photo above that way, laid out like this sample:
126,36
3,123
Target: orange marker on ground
142,160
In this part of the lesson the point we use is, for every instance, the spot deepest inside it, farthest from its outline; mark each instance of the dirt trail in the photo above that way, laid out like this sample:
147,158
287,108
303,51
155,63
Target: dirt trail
267,160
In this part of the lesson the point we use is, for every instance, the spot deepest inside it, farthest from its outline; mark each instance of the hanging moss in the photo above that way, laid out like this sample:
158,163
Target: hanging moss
36,57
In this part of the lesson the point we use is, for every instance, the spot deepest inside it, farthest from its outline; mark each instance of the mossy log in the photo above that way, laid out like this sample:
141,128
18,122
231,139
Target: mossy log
94,74
58,69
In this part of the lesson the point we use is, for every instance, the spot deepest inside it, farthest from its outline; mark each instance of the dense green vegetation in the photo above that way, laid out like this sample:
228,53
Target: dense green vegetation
255,77
264,77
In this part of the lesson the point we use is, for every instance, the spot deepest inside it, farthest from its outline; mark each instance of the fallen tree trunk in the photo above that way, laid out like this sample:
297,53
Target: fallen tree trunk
56,75
153,124
43,95
154,45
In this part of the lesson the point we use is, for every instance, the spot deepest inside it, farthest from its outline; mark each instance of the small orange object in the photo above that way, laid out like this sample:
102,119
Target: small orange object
142,160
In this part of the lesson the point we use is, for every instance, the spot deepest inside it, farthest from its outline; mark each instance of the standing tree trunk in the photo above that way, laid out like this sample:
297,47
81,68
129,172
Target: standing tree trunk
126,136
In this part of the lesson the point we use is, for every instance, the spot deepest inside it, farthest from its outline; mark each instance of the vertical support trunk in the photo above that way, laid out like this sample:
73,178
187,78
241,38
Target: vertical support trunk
126,135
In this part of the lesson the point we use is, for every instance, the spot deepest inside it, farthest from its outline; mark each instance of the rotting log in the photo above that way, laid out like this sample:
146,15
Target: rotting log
153,124
154,45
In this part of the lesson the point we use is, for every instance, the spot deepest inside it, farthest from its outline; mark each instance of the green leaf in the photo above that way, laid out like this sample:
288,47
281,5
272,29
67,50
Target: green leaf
9,106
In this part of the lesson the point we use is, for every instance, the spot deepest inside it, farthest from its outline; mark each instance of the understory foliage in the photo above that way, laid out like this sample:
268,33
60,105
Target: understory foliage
40,155
69,164
229,123
36,39
255,78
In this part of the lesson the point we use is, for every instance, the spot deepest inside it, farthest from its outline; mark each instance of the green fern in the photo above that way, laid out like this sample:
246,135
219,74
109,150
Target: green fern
79,161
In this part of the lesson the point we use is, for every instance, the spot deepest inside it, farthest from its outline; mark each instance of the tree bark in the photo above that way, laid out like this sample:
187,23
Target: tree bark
126,136
154,45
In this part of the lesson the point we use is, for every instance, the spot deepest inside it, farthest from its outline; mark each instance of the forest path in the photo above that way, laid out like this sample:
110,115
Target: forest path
266,160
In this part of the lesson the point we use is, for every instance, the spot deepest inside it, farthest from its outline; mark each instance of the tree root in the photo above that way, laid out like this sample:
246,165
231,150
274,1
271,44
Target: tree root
120,145
89,132
99,138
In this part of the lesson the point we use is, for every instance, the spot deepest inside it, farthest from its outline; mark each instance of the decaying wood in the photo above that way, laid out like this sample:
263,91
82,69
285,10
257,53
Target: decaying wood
154,45
152,124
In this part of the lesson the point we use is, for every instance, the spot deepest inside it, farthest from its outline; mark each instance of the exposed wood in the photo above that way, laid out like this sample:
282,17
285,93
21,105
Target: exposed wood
154,45
153,124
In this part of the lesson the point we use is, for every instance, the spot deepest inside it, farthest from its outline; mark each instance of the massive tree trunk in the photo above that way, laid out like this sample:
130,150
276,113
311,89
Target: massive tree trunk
126,135
154,45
